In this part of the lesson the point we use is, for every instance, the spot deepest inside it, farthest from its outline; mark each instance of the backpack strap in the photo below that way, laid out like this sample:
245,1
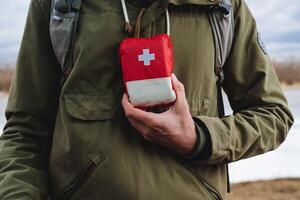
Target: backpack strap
64,19
222,23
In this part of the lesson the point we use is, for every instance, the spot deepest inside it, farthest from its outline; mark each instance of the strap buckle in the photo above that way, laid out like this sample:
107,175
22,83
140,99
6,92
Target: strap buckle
220,73
66,6
226,8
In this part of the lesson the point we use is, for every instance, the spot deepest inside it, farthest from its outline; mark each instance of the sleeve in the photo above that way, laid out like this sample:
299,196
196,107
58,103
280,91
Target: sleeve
202,149
261,118
30,113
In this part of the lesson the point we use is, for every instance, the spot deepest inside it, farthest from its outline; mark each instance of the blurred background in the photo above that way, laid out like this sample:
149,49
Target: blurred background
279,24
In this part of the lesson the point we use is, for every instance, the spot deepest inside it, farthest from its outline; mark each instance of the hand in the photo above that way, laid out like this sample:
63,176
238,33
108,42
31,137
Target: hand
173,128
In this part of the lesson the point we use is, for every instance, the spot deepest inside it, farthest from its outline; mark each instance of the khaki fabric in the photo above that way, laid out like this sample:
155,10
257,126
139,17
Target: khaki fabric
75,142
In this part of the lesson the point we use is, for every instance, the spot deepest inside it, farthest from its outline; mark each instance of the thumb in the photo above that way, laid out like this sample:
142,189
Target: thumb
179,90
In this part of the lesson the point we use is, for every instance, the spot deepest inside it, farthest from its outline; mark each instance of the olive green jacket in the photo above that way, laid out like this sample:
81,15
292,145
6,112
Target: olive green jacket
74,142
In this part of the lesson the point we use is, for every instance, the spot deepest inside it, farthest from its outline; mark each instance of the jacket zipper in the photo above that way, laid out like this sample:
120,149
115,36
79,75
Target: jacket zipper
210,189
80,179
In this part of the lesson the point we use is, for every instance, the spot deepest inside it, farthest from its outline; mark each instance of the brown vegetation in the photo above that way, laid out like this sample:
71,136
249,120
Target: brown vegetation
6,74
267,190
288,72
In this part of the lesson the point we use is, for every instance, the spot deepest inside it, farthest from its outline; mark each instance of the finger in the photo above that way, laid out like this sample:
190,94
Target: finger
146,131
151,135
130,110
178,88
128,107
138,126
148,118
142,129
180,93
125,103
135,124
156,122
160,139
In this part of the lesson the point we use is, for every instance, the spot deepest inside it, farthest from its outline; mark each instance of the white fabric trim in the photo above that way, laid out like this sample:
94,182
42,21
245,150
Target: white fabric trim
125,11
150,92
168,21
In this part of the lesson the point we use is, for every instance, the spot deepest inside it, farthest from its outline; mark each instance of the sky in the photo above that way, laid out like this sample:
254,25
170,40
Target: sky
12,21
278,22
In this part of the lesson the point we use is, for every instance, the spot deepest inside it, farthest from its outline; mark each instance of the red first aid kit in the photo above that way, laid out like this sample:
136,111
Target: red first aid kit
147,64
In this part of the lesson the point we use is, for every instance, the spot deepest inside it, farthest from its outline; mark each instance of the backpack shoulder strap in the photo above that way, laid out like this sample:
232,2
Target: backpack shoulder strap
64,19
222,23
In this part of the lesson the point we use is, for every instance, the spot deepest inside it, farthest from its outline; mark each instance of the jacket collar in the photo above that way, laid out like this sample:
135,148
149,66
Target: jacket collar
157,8
180,2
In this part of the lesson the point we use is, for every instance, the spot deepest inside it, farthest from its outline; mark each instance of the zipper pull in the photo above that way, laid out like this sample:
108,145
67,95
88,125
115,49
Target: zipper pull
225,8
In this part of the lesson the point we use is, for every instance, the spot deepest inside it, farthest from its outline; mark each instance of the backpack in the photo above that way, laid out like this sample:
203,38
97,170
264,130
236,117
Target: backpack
64,19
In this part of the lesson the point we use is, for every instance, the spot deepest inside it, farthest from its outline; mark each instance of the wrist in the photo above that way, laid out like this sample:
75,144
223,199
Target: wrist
188,141
194,145
202,149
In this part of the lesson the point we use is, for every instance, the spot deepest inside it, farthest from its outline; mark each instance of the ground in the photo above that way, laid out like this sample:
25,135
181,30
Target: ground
281,189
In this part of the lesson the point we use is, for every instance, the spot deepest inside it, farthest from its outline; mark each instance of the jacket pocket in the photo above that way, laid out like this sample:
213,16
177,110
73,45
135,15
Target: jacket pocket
199,106
214,193
83,176
93,107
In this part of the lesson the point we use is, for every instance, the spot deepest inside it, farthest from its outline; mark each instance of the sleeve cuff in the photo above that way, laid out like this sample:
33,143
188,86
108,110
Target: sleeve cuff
202,149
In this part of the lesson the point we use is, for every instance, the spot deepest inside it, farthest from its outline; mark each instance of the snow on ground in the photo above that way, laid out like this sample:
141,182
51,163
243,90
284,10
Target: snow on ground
283,162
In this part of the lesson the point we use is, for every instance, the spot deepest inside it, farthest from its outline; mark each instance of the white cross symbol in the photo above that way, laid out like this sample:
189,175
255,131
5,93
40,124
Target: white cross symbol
146,57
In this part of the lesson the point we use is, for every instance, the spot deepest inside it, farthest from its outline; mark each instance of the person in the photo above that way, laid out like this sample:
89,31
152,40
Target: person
85,140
